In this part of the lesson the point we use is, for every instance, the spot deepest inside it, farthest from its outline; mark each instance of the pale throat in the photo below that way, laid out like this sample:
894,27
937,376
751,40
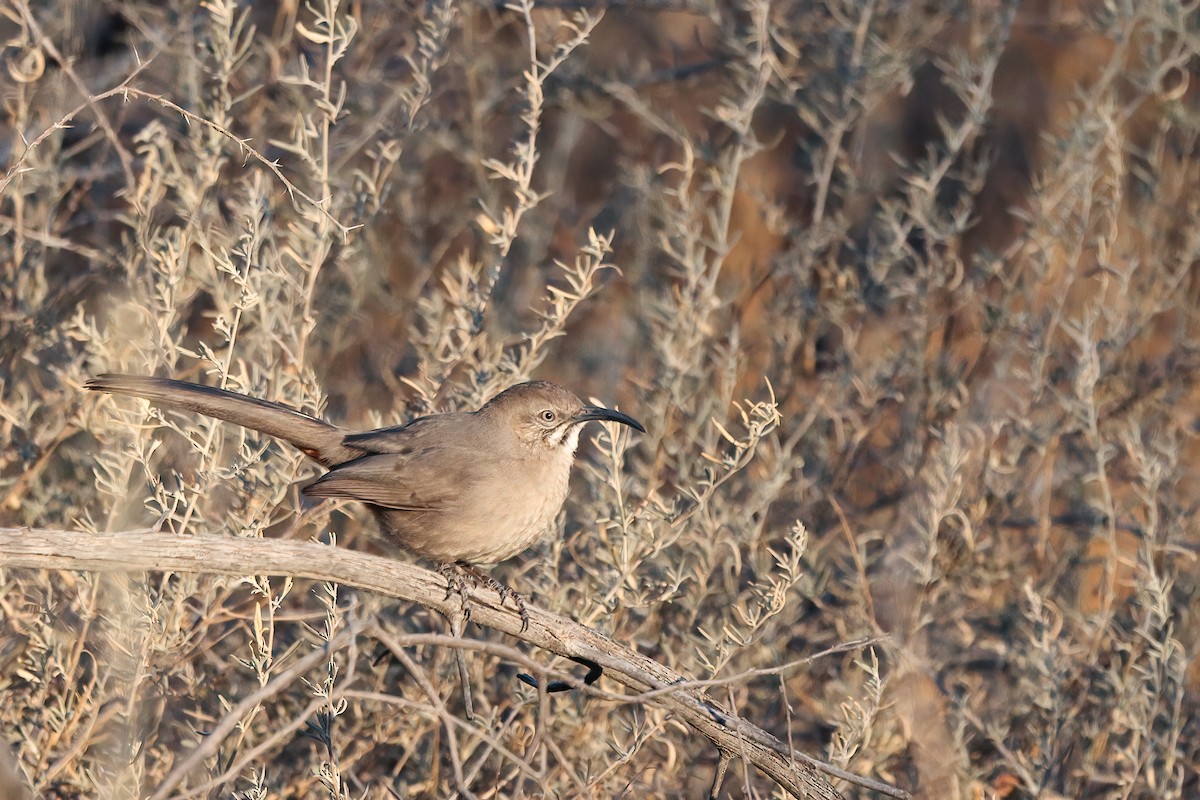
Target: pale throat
566,437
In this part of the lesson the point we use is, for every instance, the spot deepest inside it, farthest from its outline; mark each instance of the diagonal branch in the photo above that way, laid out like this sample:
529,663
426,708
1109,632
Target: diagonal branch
144,550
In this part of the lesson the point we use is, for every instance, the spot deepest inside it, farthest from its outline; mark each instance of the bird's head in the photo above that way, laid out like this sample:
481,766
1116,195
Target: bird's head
545,415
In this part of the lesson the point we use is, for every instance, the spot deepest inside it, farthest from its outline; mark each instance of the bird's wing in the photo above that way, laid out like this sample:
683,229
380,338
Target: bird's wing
387,480
426,465
417,471
404,439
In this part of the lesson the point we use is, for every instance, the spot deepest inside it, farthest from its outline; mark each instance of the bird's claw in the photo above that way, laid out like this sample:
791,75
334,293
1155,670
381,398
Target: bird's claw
455,582
480,577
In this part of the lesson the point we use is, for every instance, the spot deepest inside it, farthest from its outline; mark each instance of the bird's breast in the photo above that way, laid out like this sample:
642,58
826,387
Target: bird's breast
493,521
525,507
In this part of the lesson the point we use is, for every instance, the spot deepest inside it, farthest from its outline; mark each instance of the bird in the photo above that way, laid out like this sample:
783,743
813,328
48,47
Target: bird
461,489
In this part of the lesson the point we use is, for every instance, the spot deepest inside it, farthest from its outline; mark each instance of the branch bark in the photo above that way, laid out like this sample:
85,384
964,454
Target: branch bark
145,550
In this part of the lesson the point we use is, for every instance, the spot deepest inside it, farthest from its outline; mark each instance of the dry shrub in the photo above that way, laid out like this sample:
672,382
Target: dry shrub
905,294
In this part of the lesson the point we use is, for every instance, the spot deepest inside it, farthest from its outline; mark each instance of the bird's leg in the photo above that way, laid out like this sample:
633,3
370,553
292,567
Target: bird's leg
453,573
499,588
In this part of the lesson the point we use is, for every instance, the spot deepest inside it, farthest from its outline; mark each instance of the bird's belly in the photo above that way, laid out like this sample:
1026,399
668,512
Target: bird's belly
475,534
488,548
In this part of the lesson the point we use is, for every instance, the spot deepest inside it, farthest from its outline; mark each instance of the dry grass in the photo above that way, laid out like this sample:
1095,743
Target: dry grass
905,294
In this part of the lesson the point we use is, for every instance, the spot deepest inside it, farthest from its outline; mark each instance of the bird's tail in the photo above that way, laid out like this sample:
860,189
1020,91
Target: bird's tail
318,439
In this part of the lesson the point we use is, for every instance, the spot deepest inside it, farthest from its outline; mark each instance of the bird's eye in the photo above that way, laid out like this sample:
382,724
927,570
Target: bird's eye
547,416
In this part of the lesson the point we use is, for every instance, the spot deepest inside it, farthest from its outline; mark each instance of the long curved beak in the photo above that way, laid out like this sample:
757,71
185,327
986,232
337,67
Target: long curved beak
596,412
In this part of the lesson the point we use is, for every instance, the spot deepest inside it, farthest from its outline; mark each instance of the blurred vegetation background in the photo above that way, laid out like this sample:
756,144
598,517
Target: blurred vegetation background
905,293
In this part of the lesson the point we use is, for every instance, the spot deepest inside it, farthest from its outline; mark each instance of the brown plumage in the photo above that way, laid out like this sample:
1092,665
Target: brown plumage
461,489
475,487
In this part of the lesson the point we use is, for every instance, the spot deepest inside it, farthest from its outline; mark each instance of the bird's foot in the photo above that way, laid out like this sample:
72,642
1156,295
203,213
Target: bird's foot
456,583
479,576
